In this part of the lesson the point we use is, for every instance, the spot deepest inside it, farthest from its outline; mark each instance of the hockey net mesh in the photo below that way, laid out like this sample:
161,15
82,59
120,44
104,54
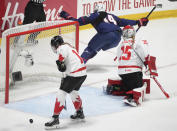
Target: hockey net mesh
32,39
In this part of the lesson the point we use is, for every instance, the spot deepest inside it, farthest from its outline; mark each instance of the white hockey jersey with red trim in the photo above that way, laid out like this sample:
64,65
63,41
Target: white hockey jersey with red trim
128,61
74,63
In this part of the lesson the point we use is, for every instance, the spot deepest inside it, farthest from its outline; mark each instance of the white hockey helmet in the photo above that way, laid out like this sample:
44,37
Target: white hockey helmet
99,7
128,32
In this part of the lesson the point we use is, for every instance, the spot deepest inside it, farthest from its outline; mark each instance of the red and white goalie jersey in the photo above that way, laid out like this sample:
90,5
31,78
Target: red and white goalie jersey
128,60
74,63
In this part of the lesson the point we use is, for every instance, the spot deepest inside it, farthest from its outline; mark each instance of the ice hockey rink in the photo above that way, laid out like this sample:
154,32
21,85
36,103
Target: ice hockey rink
104,112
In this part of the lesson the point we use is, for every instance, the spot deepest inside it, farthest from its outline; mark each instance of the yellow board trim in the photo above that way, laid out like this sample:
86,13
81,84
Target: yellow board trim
154,15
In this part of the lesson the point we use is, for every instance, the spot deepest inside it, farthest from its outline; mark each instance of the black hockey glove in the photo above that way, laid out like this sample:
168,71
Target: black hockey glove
143,22
65,15
61,66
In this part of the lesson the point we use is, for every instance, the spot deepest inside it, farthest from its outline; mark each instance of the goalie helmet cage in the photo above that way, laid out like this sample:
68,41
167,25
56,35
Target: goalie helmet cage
15,47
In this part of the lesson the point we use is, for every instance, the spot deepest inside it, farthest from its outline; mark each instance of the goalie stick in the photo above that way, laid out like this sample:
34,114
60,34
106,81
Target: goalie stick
164,92
159,85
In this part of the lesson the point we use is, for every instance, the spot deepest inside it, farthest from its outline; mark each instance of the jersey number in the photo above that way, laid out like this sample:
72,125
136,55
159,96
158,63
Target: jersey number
110,19
78,56
126,53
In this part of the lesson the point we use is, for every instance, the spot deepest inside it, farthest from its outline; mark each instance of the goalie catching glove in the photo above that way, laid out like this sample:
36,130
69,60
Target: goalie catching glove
61,66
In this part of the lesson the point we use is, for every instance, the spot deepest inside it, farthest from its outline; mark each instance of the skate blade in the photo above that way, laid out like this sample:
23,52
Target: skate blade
78,120
52,128
133,104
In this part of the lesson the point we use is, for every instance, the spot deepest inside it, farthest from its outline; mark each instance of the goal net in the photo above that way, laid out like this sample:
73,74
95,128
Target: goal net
26,56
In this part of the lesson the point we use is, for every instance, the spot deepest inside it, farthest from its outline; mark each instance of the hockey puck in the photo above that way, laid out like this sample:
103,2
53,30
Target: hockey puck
31,121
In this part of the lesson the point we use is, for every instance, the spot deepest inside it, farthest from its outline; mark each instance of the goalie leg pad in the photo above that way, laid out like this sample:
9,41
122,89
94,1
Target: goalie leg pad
115,87
115,90
147,81
138,94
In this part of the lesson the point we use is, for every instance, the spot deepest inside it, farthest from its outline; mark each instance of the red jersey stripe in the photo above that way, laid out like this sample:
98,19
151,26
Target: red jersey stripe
131,66
80,69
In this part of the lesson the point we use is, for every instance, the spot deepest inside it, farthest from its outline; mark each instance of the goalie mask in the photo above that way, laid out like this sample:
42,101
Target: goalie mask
56,41
128,32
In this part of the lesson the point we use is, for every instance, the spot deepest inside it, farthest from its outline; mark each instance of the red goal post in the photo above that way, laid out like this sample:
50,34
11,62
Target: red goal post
69,30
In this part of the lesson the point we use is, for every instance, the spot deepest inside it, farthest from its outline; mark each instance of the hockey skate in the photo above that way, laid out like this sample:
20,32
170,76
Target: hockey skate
78,114
136,96
130,101
53,124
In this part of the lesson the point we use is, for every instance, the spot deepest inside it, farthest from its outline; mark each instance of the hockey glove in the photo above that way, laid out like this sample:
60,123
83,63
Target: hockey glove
61,66
143,22
65,15
148,72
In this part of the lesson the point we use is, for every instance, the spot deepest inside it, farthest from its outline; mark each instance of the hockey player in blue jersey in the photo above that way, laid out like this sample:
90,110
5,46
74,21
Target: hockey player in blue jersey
108,29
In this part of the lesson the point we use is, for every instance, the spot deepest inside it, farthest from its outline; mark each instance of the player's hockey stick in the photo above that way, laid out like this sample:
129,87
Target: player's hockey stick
164,92
156,6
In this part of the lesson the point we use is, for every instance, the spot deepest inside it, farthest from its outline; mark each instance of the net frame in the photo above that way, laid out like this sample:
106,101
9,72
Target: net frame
7,37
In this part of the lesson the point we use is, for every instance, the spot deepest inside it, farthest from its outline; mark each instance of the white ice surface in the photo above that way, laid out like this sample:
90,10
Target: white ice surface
156,114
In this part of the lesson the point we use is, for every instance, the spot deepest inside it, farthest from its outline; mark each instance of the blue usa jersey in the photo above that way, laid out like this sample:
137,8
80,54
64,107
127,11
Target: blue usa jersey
107,23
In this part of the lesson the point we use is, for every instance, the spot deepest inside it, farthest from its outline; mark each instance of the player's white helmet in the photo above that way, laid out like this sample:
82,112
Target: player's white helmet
99,7
128,32
55,42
